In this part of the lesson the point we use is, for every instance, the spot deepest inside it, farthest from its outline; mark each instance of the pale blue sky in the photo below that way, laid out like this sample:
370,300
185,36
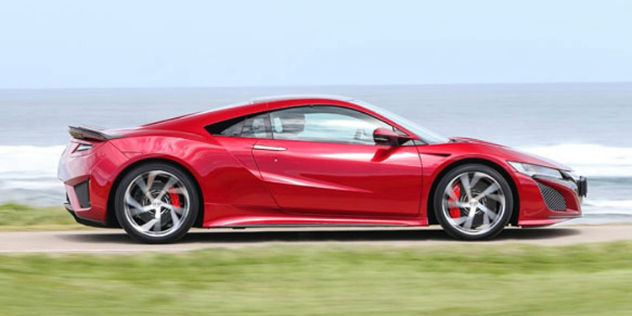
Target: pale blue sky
74,44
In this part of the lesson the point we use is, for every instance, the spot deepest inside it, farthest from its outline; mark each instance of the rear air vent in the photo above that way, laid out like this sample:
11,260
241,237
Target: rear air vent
83,194
553,199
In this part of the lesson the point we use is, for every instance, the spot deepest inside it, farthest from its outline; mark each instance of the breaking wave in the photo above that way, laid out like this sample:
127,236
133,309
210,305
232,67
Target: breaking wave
589,160
28,174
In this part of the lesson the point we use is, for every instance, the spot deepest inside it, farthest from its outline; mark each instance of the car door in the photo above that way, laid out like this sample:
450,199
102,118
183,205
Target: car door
322,160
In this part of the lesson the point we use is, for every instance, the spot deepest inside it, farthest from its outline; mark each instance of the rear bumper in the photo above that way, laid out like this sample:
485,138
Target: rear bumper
88,178
547,201
83,221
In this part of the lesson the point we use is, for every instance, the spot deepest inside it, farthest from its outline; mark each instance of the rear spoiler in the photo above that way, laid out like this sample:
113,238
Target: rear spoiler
92,134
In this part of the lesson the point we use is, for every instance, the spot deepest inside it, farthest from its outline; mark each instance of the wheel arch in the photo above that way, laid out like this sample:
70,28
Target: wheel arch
112,220
430,213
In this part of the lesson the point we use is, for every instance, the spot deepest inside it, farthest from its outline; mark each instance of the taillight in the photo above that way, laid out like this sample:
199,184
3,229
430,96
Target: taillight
84,147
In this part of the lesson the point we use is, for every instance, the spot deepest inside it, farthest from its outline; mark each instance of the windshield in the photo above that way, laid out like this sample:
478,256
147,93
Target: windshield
426,135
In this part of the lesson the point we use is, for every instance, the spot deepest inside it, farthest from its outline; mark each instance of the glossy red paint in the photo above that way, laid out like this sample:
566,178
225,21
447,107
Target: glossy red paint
305,183
333,175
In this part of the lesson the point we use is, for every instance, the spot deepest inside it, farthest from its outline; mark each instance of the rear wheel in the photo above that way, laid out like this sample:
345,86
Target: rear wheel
156,203
473,202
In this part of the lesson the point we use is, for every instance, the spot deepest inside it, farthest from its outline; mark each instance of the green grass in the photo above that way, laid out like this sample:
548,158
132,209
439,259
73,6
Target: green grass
15,217
591,279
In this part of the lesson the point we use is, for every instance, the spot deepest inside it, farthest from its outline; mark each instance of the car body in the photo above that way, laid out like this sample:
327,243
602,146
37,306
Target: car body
259,164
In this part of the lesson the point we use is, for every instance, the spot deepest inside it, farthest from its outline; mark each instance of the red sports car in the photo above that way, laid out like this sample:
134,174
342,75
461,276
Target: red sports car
303,162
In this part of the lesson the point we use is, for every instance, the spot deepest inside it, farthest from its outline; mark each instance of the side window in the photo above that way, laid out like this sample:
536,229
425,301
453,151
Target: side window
256,127
244,127
230,128
328,124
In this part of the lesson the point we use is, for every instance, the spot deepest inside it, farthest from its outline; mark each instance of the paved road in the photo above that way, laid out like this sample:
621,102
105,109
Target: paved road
115,241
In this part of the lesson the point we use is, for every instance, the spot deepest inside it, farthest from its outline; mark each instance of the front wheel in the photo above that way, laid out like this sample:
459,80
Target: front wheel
473,202
156,203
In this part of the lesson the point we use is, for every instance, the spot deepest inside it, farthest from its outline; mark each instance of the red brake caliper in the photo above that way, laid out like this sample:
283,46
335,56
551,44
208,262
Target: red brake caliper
175,200
455,212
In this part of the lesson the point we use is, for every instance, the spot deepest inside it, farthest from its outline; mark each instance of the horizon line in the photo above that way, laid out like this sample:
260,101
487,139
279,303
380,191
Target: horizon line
318,85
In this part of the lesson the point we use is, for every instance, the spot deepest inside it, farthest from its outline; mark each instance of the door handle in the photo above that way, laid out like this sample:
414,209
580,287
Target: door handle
269,148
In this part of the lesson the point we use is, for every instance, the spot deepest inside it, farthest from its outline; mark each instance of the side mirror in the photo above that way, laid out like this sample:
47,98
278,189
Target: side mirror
385,136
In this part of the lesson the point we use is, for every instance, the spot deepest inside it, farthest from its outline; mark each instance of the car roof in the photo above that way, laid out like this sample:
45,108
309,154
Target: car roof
243,108
278,98
299,97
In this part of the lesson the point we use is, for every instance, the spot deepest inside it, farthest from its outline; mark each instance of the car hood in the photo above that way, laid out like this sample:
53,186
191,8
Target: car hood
512,154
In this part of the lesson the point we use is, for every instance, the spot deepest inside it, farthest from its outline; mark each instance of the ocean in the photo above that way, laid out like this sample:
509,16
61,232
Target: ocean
586,126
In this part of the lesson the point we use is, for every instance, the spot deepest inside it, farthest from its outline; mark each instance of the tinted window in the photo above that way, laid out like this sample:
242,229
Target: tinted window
246,127
230,128
256,127
325,124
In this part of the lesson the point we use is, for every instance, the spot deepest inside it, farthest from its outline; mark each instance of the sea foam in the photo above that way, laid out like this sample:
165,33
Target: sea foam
28,173
28,162
589,159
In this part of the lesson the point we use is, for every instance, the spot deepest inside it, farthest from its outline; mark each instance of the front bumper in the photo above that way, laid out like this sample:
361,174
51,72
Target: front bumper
547,200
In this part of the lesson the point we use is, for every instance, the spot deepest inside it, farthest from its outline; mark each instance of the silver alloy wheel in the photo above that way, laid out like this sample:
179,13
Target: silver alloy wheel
156,203
479,206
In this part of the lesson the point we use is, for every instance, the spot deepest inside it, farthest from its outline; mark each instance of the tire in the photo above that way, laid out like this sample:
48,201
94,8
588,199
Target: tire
480,214
156,203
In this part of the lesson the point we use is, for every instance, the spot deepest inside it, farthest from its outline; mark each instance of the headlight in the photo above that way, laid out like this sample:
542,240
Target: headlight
535,170
572,175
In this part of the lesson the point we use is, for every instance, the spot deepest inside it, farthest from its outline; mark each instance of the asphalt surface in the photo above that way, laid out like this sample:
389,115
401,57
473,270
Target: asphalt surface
116,242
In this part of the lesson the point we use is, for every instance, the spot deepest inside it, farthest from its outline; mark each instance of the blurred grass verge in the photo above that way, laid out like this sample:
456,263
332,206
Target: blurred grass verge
589,279
15,217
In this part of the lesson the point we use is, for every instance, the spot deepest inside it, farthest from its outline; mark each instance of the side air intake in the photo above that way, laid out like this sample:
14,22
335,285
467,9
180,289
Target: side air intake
83,194
553,199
